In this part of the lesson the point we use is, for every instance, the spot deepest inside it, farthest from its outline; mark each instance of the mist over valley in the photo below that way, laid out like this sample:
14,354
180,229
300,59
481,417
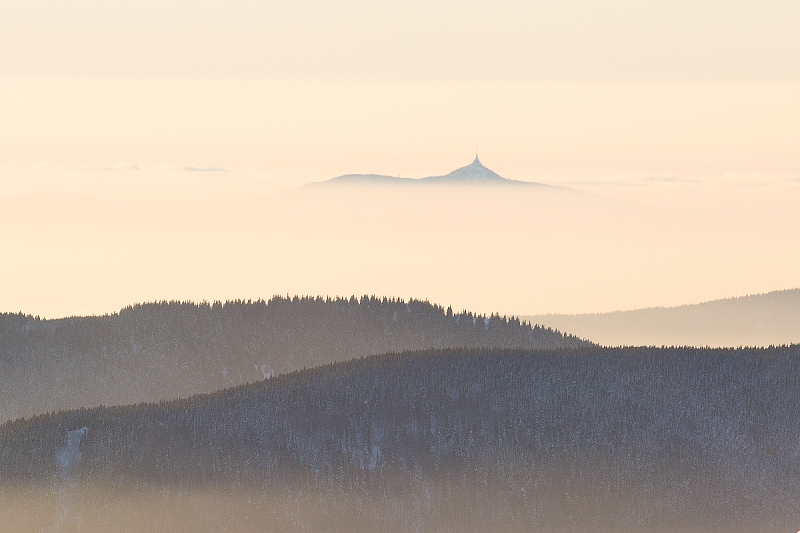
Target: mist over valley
492,244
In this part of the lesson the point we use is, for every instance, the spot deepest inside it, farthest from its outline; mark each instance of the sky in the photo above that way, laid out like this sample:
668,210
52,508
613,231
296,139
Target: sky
122,122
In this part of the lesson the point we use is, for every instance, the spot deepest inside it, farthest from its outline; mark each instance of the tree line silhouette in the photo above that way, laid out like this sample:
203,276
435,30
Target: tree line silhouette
166,350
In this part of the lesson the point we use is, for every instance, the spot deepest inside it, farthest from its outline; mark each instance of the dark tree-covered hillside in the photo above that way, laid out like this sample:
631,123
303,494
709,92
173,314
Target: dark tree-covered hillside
168,350
612,440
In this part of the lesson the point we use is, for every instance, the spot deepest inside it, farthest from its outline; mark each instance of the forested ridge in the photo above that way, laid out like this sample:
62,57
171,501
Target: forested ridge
632,439
166,350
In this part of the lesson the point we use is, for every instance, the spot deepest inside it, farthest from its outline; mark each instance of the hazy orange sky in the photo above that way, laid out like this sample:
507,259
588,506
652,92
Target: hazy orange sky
687,109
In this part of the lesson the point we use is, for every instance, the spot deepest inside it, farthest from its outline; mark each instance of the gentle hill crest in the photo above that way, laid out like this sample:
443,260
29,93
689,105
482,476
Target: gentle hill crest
166,350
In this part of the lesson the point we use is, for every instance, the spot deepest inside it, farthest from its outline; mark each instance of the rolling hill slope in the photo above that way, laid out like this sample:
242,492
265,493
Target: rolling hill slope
759,320
167,350
608,440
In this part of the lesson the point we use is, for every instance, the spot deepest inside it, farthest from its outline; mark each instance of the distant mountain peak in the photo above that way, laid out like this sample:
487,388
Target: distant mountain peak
473,174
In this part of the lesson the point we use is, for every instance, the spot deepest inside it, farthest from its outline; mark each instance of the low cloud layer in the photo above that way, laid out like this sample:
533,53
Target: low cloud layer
492,250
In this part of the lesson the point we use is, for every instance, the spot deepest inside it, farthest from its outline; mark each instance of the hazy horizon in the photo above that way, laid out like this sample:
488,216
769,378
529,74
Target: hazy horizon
126,127
106,239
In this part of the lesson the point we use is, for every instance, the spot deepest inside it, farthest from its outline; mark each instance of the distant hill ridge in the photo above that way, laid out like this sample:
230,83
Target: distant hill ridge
755,320
473,174
156,351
